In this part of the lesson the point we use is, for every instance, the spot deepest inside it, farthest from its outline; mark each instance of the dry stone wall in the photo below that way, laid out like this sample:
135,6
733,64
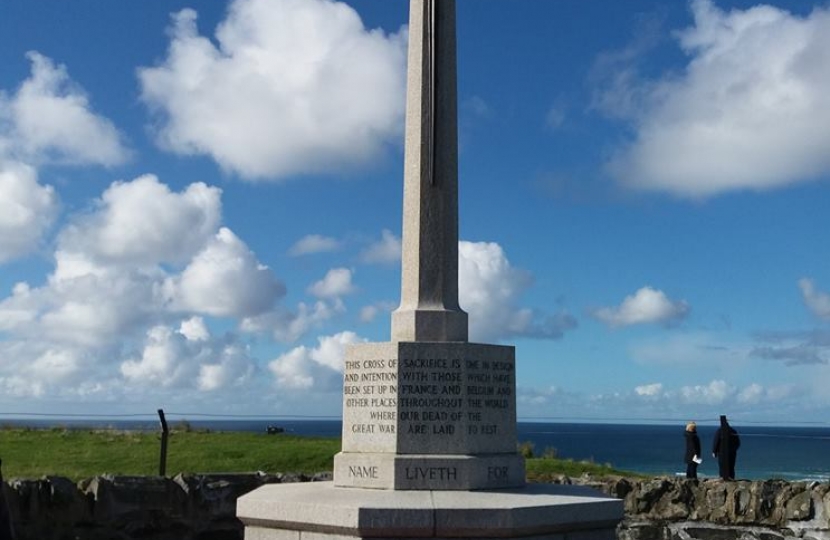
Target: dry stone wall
203,507
680,509
187,507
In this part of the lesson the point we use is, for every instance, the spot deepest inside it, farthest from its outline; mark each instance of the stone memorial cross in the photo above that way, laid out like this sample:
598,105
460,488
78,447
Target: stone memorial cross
428,410
429,419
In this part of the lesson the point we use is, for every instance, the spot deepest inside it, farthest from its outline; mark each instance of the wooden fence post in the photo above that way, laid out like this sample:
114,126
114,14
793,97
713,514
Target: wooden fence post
163,455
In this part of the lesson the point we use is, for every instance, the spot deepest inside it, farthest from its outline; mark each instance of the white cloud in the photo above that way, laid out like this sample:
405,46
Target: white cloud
314,243
386,250
293,370
336,283
619,89
32,370
320,367
171,358
91,311
817,301
47,119
750,111
143,222
43,369
69,337
225,280
194,329
16,310
287,326
649,390
679,403
646,306
489,290
159,362
331,351
50,118
27,209
369,313
294,86
714,393
230,367
115,290
751,394
567,403
55,365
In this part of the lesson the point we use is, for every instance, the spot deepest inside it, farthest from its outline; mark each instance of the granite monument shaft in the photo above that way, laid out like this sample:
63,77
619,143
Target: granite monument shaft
429,309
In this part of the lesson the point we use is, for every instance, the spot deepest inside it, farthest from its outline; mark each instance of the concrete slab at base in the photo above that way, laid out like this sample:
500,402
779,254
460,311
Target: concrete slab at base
322,511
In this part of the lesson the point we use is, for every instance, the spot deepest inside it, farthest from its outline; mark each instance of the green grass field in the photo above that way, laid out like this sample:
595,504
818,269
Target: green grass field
84,453
77,454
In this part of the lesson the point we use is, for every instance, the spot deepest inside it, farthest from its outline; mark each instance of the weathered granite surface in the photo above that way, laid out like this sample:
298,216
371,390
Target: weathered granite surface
202,507
429,309
324,511
429,416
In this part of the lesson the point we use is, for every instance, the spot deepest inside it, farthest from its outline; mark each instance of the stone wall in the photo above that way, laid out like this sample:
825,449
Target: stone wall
187,507
202,507
680,509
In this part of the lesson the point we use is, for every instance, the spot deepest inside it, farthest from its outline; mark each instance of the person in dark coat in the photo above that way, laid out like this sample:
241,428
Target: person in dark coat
725,449
692,450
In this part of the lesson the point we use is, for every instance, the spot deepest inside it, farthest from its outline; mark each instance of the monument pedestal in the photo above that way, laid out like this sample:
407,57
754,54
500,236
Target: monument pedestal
429,451
322,511
429,415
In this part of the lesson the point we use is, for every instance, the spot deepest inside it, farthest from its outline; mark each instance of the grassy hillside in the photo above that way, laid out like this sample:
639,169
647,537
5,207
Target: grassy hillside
83,453
77,454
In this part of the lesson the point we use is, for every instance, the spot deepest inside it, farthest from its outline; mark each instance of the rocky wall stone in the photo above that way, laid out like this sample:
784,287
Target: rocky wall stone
42,508
138,504
203,507
680,509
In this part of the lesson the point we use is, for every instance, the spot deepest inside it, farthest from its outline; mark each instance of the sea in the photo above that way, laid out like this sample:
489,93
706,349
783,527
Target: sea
766,452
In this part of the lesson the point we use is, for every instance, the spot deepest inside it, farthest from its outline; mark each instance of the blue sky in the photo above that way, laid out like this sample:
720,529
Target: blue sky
200,203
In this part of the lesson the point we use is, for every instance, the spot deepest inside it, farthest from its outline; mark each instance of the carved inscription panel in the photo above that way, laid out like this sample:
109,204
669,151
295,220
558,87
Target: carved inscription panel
370,403
433,398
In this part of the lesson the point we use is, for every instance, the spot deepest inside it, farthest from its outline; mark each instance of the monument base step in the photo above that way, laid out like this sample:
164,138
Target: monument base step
322,511
446,472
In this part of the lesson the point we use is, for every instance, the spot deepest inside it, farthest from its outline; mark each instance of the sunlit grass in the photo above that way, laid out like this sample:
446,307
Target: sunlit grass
546,469
84,453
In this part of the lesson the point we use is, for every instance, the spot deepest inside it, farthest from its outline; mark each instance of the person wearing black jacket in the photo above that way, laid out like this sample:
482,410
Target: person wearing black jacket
725,449
692,450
